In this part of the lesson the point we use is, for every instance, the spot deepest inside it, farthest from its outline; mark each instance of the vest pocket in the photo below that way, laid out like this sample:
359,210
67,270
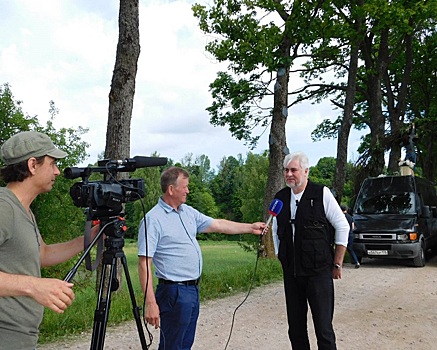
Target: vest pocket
315,248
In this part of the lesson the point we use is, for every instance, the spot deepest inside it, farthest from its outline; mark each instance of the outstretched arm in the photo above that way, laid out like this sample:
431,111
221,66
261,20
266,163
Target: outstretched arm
232,227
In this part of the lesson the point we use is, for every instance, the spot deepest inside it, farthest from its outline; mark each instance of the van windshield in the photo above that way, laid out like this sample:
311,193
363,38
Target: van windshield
384,203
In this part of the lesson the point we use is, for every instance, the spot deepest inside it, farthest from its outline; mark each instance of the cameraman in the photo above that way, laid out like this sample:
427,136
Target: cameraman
30,170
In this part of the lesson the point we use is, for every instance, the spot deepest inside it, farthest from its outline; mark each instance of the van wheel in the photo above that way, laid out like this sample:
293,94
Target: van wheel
419,260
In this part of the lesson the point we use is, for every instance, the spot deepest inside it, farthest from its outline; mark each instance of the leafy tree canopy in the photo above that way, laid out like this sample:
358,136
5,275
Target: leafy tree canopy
58,218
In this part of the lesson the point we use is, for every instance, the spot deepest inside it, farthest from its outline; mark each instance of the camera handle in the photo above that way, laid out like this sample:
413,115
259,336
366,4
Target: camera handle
112,253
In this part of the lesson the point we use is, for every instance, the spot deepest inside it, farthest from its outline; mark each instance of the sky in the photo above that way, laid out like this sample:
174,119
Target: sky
64,51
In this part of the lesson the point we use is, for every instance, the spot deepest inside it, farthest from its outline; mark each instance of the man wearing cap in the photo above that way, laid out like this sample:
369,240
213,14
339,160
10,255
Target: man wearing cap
30,170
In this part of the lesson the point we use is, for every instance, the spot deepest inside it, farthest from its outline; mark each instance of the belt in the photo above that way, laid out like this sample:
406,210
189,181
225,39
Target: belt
183,283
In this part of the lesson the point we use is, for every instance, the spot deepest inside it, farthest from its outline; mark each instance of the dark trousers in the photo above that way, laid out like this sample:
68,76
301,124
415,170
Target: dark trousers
354,258
318,293
179,311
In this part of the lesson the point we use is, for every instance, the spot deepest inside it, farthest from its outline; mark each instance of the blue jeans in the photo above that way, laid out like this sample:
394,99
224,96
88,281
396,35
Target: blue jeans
179,311
317,292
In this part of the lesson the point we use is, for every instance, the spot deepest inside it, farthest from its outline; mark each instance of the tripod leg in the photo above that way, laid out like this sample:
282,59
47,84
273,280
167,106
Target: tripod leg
135,308
104,303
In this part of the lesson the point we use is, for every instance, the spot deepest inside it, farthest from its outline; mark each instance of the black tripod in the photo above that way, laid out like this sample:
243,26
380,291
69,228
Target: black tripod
114,244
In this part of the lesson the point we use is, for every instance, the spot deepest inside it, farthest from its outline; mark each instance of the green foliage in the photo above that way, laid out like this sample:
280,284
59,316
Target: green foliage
326,130
12,118
253,180
383,30
223,188
231,107
246,36
204,199
135,211
422,100
258,38
323,173
200,196
200,167
58,219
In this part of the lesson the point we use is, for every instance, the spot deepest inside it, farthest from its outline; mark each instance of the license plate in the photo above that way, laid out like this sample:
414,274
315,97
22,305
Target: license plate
377,252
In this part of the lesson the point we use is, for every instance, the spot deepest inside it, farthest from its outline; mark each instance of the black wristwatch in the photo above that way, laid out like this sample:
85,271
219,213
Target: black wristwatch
337,266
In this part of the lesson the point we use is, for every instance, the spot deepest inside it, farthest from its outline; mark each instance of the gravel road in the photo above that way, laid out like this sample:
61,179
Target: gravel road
384,305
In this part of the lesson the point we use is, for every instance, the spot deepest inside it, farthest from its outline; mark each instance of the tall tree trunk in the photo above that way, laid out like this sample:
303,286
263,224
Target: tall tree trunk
122,92
397,112
375,69
277,140
346,123
277,149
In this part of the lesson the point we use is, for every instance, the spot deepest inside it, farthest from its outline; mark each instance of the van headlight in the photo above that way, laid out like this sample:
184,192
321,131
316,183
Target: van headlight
412,236
403,237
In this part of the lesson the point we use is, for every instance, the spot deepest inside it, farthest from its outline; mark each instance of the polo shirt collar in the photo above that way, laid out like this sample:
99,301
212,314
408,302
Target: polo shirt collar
169,208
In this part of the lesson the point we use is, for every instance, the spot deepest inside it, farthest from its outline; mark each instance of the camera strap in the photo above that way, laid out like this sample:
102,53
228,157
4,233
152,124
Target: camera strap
87,241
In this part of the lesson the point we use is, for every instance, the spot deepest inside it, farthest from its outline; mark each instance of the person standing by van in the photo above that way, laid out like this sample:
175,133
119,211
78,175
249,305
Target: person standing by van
350,249
304,232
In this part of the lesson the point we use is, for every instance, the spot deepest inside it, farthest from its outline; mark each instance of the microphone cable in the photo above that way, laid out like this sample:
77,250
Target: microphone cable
274,209
248,292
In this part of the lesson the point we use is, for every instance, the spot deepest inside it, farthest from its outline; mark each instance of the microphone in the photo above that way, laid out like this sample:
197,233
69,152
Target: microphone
131,164
105,165
274,209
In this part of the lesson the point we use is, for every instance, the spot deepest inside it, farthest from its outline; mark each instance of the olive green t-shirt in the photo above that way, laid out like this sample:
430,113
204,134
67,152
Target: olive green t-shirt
20,317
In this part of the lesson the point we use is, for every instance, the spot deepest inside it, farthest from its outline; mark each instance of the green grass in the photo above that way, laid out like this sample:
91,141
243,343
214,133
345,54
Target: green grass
227,269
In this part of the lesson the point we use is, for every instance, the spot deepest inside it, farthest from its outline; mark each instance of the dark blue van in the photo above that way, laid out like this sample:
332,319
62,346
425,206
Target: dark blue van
395,217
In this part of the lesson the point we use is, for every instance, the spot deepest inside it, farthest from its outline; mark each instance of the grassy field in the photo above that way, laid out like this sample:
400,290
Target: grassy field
227,269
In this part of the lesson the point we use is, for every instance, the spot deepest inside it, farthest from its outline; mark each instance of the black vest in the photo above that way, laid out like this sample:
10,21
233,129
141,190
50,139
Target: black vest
311,252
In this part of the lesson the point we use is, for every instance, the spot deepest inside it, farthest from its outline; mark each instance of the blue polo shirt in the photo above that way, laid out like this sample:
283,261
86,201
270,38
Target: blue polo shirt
171,241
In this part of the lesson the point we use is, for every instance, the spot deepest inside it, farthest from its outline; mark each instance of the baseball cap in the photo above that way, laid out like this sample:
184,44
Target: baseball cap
27,144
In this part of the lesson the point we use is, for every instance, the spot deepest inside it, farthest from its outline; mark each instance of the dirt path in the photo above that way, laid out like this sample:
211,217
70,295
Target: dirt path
383,305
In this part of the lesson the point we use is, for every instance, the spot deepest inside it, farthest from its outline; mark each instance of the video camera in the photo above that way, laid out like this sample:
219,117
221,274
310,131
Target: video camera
105,198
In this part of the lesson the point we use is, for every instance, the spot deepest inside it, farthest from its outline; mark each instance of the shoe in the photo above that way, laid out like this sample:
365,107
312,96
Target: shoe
357,265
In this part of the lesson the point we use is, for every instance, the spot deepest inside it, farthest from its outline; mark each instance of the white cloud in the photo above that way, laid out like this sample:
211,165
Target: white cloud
65,51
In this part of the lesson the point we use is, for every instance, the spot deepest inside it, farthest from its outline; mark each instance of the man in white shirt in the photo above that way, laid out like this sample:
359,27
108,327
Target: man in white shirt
310,224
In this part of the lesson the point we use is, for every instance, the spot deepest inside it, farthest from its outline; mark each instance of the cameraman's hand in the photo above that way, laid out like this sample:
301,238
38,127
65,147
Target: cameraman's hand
55,294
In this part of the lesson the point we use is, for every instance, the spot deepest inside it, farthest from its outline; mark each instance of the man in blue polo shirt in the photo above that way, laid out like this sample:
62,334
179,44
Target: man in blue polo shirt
171,245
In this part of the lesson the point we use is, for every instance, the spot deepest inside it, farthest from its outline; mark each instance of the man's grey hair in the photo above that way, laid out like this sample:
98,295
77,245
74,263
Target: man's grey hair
299,156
